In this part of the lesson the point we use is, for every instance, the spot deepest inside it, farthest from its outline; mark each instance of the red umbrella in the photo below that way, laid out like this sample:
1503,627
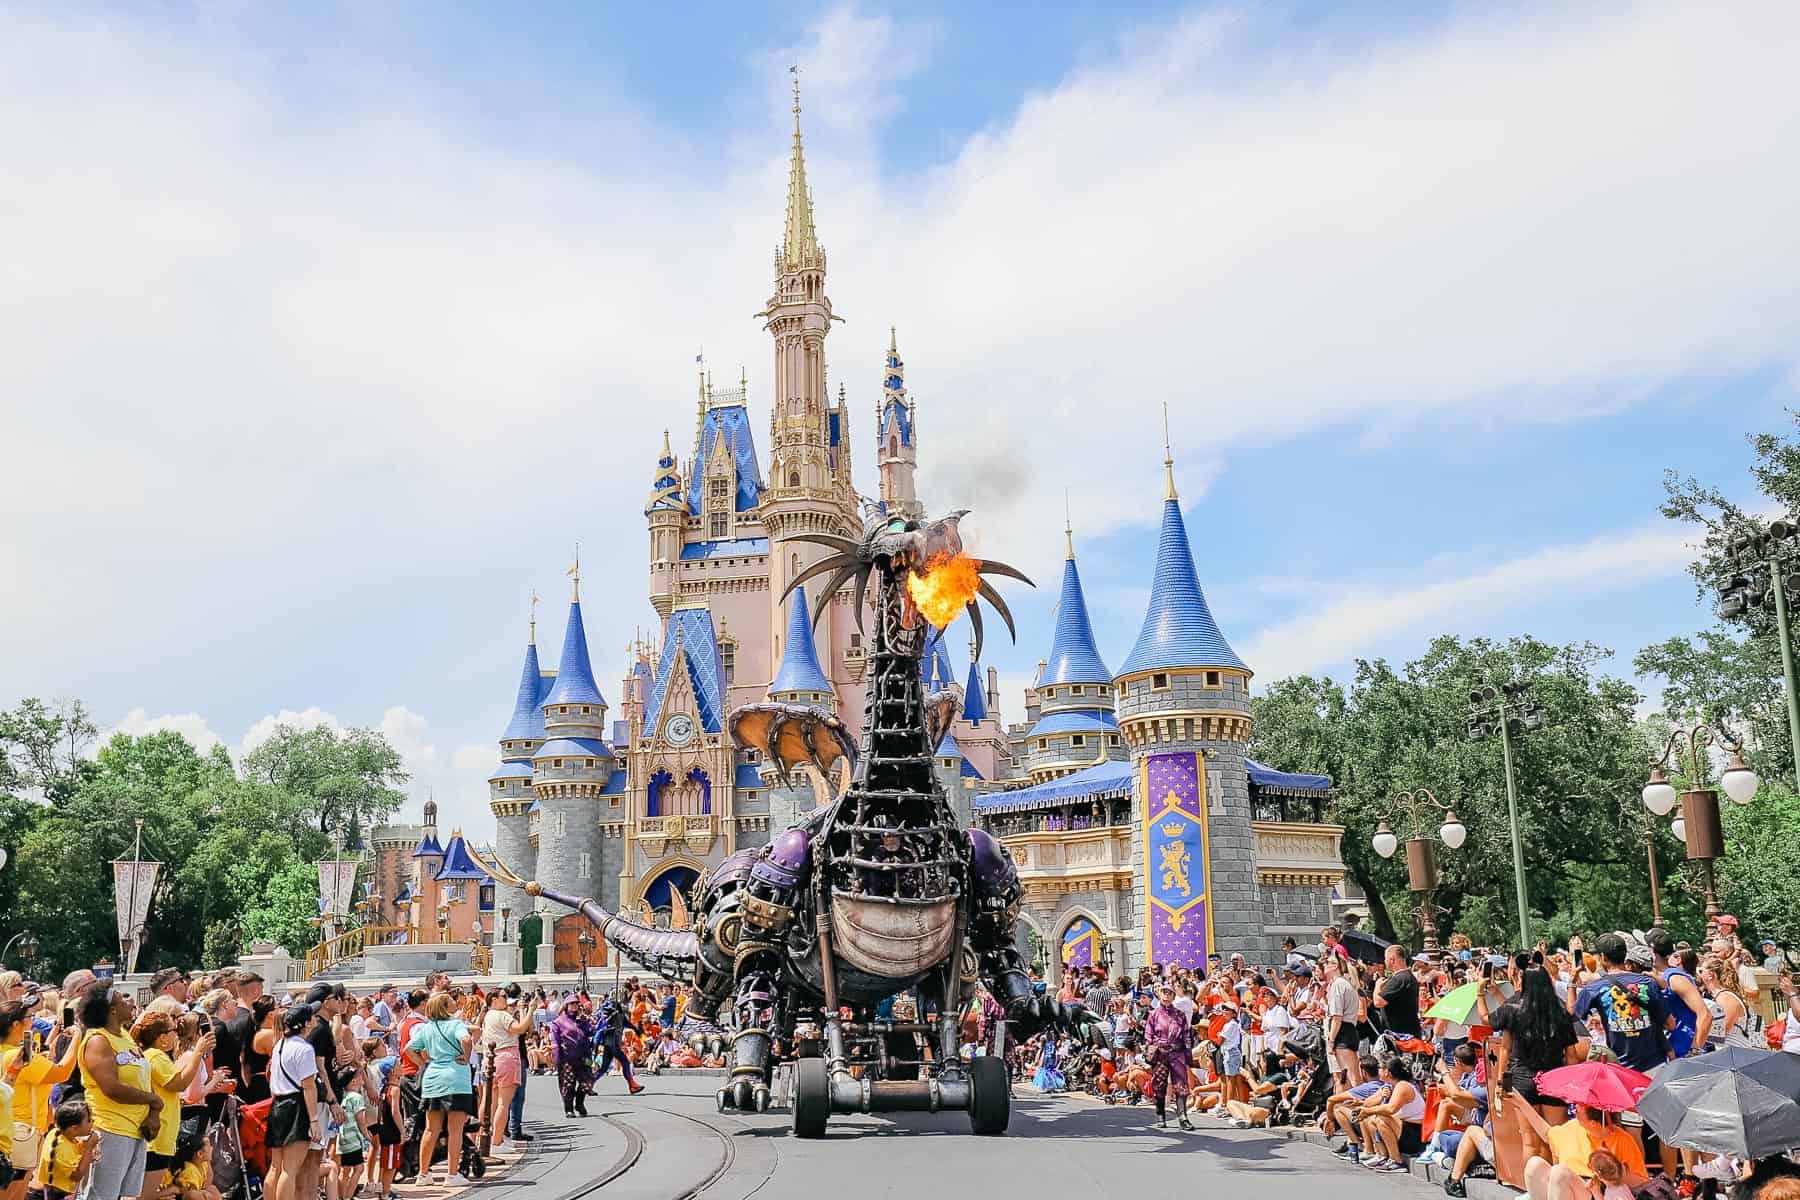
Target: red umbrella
1602,1085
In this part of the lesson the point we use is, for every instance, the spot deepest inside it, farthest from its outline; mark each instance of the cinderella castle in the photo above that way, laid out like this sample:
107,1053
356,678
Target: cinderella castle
631,805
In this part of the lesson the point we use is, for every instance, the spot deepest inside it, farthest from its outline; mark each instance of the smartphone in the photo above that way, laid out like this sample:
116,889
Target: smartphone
68,1016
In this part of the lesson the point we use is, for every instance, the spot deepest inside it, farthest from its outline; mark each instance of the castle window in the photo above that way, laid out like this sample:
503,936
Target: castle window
590,764
719,526
1043,743
614,800
557,763
1112,739
728,660
1212,679
584,865
562,710
1049,693
1159,682
1078,690
1079,739
856,641
894,445
793,479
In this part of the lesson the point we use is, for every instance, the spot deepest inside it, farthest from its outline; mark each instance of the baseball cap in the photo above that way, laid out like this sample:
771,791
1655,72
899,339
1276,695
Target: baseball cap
1767,942
318,993
1639,955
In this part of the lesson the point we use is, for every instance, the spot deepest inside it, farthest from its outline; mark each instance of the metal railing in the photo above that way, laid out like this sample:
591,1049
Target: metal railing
352,942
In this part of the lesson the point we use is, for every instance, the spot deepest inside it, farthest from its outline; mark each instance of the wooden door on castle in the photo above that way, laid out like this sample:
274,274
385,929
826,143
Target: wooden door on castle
566,955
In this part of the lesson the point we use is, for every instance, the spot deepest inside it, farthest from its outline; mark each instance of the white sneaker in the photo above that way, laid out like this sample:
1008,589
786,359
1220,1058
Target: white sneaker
1376,1163
1430,1156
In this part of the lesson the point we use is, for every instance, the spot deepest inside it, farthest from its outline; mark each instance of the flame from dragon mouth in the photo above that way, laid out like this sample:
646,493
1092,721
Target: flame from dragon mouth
947,583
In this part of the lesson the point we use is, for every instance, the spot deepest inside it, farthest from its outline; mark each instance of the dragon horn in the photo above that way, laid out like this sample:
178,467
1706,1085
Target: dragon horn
975,624
986,592
825,564
832,540
990,567
862,586
830,590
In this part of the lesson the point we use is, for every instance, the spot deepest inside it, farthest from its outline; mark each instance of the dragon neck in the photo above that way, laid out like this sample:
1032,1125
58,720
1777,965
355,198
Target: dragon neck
896,748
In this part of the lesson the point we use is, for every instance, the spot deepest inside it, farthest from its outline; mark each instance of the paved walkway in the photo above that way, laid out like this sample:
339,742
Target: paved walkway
669,1143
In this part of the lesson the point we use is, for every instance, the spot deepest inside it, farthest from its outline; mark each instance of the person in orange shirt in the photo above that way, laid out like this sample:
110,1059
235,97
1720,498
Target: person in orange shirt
1572,1146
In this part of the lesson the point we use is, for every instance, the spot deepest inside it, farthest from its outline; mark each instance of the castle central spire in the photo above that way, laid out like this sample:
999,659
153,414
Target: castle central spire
799,241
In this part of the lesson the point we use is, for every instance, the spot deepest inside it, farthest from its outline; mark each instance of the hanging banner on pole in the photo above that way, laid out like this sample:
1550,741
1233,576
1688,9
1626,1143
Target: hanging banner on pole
1172,791
133,884
337,886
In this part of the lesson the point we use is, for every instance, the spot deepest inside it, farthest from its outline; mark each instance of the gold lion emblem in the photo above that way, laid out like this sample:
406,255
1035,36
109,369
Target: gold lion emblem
1175,860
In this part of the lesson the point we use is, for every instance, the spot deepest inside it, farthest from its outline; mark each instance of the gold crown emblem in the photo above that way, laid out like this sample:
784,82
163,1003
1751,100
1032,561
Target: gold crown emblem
1174,829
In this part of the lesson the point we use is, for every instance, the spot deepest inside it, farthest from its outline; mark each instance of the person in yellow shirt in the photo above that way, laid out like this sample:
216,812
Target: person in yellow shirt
194,1179
127,1114
69,1150
1572,1146
155,1035
33,1072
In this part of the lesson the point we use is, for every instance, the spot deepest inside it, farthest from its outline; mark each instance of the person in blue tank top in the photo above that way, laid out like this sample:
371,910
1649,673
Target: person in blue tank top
1681,995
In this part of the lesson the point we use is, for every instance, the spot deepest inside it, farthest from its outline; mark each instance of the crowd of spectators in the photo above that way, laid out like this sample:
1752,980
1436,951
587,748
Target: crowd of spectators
210,1087
1324,1041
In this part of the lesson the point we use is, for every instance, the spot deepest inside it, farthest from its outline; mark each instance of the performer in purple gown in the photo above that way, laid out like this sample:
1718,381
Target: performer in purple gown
572,1035
1171,1042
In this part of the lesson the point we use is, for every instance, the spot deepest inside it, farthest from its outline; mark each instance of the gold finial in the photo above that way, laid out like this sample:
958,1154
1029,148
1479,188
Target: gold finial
794,70
667,451
1068,524
1168,458
534,604
893,341
574,572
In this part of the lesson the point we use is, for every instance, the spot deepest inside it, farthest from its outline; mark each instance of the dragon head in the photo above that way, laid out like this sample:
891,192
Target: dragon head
923,560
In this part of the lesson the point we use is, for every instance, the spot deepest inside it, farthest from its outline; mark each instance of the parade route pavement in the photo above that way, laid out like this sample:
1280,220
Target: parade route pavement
670,1142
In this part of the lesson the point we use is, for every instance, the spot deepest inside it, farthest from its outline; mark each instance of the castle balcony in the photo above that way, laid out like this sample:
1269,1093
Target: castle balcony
678,833
1298,853
1055,862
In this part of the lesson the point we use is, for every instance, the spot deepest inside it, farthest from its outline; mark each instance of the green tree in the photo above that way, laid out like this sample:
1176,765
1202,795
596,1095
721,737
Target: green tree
349,780
285,909
1392,731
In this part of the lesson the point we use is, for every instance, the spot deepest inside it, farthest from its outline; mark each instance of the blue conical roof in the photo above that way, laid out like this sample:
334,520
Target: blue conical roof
458,863
1179,630
947,747
974,699
800,670
528,714
575,674
1073,657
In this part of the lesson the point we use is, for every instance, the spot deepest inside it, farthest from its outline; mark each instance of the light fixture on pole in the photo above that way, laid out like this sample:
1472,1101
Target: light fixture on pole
1765,584
1698,826
1508,710
1421,853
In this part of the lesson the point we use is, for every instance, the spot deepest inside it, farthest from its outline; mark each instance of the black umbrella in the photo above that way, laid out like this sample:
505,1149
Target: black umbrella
1733,1101
1365,947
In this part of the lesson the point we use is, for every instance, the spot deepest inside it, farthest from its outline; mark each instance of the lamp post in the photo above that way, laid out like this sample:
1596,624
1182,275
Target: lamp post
443,922
1699,826
1421,854
1766,580
1497,709
28,946
505,922
586,941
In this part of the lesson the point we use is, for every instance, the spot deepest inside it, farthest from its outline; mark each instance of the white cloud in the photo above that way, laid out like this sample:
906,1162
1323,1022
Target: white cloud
346,335
476,757
1358,619
264,728
406,732
191,726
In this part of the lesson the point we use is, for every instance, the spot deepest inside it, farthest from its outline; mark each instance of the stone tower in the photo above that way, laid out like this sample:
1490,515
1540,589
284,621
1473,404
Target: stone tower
1076,727
896,433
572,768
809,487
510,793
1183,689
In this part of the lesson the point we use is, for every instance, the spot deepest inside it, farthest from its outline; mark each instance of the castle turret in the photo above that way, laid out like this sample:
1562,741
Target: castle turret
1181,690
572,768
665,511
427,857
809,488
509,788
897,450
801,680
1076,726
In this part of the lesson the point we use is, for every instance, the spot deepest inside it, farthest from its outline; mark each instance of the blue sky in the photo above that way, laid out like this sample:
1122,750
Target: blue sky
331,329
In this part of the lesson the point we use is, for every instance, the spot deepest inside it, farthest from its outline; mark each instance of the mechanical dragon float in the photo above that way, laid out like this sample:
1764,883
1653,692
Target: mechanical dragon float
877,891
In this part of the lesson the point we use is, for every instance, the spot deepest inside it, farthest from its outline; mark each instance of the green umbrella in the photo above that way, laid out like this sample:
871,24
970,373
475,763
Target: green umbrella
1456,1004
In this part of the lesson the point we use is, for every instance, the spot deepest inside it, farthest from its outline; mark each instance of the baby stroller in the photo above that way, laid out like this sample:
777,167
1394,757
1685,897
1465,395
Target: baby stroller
1307,1041
412,1104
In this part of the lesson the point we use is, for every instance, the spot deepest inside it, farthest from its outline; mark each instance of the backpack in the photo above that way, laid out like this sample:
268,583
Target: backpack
253,1136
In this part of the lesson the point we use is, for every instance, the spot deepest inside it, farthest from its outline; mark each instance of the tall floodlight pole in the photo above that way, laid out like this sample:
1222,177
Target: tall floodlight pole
1494,709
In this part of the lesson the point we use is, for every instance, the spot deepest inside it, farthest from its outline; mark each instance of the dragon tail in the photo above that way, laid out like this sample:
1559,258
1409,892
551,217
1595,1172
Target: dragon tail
671,952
